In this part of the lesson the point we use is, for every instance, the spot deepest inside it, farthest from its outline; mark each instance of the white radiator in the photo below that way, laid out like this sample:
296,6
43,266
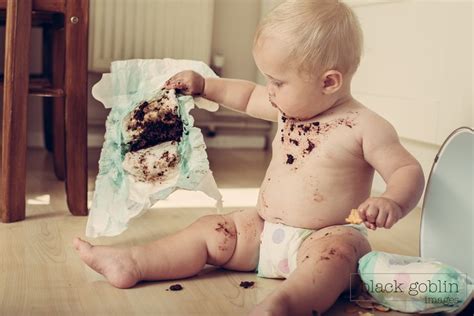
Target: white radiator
127,29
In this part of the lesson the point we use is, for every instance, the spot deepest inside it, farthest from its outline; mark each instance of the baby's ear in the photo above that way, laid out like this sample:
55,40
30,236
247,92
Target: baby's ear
331,81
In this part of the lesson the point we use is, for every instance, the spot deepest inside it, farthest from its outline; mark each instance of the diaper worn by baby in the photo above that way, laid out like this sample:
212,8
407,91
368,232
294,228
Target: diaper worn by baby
279,248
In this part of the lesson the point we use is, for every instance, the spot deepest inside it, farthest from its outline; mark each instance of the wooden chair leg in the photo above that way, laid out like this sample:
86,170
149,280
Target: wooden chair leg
47,102
53,108
13,178
76,25
57,117
48,123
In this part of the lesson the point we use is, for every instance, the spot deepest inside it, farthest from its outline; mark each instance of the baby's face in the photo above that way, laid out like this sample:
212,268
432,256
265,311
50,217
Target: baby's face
295,95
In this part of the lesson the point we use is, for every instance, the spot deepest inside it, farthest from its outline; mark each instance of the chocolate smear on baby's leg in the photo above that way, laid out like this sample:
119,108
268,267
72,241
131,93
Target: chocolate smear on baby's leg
222,228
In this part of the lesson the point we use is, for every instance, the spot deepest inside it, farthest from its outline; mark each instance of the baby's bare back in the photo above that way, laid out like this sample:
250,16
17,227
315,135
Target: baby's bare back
318,172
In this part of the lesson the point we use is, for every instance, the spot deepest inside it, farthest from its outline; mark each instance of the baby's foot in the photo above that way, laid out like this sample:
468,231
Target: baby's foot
117,265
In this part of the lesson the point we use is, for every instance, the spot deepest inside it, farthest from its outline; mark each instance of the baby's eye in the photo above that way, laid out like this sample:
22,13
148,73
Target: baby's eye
277,84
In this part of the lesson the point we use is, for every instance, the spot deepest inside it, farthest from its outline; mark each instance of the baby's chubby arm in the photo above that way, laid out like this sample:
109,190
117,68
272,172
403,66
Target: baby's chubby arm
400,170
239,95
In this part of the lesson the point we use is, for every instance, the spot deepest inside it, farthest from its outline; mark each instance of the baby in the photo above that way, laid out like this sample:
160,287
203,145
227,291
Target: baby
324,156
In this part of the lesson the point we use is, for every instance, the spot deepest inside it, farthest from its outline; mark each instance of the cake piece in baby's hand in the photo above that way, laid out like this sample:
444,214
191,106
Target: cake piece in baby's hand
354,217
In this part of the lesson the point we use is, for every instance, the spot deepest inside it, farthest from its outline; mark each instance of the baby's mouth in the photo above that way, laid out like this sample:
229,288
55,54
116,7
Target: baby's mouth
273,103
276,107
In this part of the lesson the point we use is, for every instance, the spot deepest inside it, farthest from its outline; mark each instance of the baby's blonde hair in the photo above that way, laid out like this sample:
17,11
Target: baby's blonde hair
323,34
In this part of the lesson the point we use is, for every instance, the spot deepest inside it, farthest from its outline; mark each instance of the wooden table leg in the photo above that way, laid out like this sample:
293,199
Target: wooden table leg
76,25
15,99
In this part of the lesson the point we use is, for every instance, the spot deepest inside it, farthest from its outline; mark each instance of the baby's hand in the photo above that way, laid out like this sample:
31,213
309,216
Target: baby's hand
379,212
187,82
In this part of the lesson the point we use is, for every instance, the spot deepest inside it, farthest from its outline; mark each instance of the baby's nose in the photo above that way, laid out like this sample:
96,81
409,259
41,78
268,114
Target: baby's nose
271,92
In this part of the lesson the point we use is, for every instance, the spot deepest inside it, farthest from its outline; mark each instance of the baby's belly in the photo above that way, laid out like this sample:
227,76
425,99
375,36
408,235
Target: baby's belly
312,200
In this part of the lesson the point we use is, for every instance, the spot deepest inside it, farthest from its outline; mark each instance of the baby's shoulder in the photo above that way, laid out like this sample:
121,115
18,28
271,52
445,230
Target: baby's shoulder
368,118
371,124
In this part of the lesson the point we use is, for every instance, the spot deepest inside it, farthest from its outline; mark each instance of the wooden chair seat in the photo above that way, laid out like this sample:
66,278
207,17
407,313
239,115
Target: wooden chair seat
64,86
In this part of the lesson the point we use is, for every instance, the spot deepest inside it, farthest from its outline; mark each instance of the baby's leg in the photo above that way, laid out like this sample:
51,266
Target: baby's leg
325,262
230,240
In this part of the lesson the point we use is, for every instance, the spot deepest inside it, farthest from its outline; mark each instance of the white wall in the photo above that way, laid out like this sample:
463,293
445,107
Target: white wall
235,22
417,70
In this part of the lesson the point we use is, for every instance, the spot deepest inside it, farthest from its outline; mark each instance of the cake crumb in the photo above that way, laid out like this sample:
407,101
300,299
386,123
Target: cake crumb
246,284
354,217
175,287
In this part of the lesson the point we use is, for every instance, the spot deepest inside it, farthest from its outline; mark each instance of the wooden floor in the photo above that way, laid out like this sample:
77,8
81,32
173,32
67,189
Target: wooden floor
40,273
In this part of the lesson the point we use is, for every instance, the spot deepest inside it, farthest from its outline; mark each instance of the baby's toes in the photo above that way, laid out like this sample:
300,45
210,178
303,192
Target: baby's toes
81,245
85,253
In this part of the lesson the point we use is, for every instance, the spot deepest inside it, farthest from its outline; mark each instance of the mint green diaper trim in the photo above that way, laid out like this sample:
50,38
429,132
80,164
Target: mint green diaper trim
359,227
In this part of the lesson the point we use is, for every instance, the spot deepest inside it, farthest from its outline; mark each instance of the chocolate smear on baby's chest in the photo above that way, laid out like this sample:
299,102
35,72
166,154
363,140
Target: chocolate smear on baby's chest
302,139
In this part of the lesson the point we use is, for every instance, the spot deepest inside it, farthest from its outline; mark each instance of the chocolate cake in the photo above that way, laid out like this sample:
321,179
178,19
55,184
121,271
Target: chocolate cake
152,132
154,122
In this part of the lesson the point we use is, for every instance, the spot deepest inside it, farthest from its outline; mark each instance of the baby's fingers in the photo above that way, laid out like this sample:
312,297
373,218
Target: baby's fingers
371,215
363,215
179,85
174,83
362,209
391,220
381,218
369,225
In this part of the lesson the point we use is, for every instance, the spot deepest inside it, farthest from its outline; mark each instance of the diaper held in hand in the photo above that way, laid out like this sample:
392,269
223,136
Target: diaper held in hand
151,147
